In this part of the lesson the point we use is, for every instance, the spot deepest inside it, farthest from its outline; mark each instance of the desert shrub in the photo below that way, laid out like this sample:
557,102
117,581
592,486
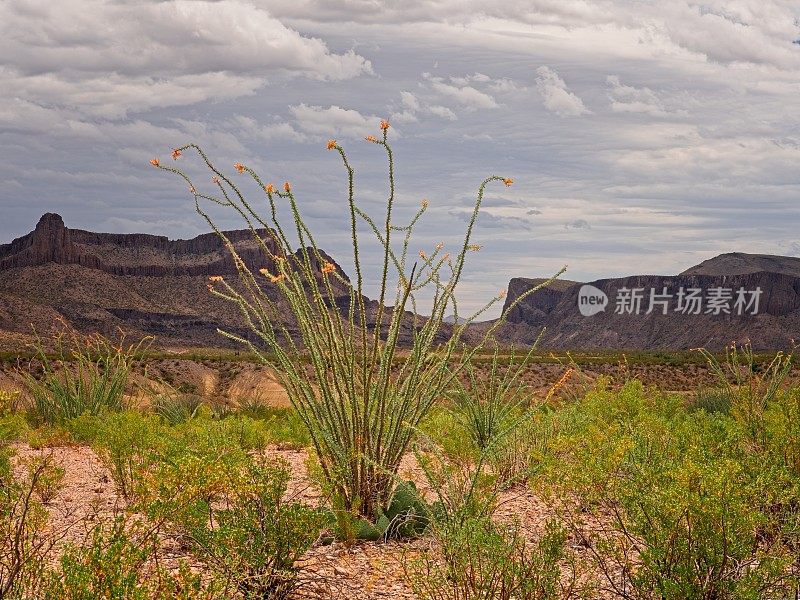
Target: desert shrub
85,428
10,402
87,375
205,434
48,436
236,520
283,425
360,400
13,427
782,422
247,433
480,560
134,445
117,561
679,506
689,530
476,558
750,384
256,407
442,429
176,408
46,476
589,440
711,400
126,444
24,537
522,451
489,405
110,566
184,584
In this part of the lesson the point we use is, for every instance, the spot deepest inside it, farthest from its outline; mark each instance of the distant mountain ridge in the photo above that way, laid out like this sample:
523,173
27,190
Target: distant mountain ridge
739,263
150,285
143,284
723,281
134,254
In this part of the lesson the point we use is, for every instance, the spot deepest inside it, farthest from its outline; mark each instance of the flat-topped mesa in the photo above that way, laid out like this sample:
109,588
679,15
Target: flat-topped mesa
133,254
730,297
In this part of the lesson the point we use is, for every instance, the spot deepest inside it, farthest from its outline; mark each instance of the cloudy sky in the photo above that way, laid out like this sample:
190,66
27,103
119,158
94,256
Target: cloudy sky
643,137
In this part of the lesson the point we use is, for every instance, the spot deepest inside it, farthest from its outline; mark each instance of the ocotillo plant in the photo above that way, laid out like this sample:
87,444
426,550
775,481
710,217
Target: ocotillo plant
360,399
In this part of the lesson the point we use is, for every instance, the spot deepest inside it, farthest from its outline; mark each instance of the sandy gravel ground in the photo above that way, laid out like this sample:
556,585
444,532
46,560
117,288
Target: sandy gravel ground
362,571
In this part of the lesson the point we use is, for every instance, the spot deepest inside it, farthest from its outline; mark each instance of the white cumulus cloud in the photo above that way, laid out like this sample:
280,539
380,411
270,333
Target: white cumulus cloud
117,58
557,98
333,121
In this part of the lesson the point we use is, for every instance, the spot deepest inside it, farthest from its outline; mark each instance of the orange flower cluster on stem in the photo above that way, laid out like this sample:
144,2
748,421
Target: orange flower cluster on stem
155,162
239,167
328,267
175,154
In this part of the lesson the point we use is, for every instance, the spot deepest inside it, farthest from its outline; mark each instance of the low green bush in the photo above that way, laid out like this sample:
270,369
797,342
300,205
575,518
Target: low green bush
442,429
232,512
689,530
782,424
85,428
13,427
127,443
117,562
683,504
480,560
110,566
25,541
46,476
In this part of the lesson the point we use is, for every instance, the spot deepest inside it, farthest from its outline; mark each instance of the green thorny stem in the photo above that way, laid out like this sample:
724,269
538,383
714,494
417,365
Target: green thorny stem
360,399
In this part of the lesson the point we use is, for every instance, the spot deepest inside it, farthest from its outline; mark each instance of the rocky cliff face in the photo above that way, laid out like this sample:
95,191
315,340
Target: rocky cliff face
142,284
132,254
722,300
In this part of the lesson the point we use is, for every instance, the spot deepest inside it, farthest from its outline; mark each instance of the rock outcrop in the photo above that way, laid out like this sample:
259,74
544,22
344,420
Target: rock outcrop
134,254
728,298
142,284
